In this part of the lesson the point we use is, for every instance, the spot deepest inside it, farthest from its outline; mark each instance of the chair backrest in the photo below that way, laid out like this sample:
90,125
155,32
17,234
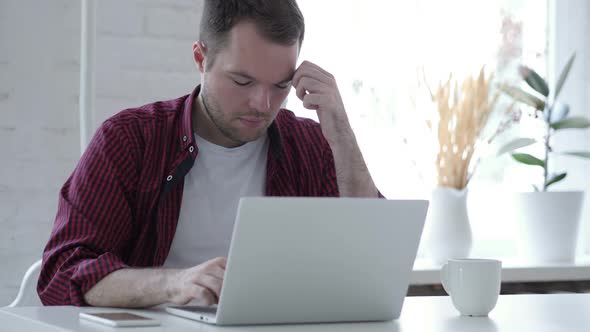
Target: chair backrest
27,294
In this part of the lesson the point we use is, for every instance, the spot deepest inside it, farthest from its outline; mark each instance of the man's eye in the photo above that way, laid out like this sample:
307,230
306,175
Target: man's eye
241,83
283,86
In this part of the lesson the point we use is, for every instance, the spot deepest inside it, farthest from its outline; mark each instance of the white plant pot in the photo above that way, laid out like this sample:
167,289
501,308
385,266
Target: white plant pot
548,225
447,233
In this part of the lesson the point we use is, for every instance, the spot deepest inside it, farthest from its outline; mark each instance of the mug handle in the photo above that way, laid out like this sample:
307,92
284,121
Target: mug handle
444,278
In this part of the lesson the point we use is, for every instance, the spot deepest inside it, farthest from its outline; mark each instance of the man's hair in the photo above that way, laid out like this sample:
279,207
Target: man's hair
279,21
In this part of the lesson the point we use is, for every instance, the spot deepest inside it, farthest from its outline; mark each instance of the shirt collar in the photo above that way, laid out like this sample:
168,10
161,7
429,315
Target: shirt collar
276,142
187,139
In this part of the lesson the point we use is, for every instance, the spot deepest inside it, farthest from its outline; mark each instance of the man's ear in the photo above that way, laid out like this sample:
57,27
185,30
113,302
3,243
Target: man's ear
199,55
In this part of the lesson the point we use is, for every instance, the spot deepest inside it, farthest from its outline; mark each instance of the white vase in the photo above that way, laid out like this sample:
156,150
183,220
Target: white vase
548,225
447,231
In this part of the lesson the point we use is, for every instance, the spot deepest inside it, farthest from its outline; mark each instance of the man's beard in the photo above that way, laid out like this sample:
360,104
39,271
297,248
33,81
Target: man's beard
223,126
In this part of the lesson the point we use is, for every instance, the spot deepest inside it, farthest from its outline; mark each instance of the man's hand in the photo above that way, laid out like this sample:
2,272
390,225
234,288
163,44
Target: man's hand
318,90
139,288
201,283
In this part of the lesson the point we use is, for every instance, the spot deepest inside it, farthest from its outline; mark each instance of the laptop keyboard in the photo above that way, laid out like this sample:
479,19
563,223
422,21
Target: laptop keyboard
196,308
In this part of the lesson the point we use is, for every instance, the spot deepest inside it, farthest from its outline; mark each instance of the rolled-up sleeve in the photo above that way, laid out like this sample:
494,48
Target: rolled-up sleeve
329,182
94,221
329,187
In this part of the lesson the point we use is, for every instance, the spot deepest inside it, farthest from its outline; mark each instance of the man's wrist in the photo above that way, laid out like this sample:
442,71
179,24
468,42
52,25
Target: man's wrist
345,147
342,141
169,280
354,179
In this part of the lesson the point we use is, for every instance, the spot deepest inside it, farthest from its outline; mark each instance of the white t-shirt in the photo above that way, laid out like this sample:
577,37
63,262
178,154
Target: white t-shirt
212,190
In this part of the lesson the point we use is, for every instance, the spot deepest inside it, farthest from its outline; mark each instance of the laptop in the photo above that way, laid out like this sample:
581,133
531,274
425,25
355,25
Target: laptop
312,260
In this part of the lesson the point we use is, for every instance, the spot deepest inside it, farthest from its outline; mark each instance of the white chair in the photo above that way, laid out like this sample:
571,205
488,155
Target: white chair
27,294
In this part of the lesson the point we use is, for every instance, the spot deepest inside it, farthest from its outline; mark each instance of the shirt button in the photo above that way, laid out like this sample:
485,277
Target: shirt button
169,178
184,138
191,149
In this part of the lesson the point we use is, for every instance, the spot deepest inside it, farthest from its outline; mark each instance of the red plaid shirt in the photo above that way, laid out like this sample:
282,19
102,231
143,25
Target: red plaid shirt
120,207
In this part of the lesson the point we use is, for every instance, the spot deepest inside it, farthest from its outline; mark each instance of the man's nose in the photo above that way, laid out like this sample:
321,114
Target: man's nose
260,100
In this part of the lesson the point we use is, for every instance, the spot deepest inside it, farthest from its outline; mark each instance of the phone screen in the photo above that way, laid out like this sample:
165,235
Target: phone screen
119,316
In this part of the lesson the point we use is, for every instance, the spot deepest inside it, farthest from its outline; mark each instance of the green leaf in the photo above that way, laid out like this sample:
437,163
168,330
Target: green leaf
515,144
527,159
577,122
556,179
534,80
522,96
581,154
563,75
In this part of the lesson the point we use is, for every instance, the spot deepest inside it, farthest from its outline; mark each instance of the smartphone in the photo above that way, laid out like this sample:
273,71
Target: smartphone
119,319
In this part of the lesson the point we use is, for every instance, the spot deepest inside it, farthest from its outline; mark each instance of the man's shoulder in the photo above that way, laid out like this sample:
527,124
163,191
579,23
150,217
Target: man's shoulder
153,112
291,126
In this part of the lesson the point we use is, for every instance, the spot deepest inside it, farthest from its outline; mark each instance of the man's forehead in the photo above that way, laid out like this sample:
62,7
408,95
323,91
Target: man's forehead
286,77
249,52
267,67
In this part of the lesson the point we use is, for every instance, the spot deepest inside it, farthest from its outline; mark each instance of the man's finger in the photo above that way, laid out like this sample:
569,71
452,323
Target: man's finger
204,295
300,91
315,70
318,68
198,293
308,85
312,72
211,283
215,271
313,101
221,261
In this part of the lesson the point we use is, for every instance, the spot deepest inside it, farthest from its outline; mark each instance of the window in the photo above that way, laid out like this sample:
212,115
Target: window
379,51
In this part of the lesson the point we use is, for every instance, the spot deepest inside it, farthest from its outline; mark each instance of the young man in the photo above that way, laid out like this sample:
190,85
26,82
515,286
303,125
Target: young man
157,189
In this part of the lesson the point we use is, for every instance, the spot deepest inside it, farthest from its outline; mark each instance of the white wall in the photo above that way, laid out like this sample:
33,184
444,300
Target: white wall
39,136
143,54
570,28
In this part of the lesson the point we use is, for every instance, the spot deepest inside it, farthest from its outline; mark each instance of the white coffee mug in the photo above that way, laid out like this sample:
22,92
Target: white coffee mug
473,284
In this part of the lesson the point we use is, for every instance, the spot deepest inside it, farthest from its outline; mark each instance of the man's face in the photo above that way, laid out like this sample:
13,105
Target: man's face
244,88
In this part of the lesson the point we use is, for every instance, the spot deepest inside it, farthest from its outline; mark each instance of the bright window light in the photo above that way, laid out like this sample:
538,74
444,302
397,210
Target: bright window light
378,51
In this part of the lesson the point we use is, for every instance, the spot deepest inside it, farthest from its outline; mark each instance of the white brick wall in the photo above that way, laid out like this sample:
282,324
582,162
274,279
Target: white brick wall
39,135
143,54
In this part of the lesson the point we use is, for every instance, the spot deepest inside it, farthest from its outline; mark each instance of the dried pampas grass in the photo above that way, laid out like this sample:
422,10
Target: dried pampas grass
463,111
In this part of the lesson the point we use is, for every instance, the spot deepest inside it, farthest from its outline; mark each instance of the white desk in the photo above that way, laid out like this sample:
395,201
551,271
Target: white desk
539,313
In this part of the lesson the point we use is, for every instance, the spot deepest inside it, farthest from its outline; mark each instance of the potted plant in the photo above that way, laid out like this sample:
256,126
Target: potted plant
548,220
463,108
